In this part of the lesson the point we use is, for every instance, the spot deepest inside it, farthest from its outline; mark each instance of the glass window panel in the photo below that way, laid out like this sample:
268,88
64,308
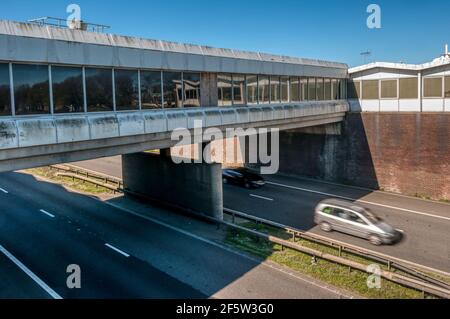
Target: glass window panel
5,92
354,89
304,89
284,88
327,89
252,89
31,89
275,89
432,87
335,89
127,89
370,90
238,89
173,93
224,86
312,89
294,89
389,89
409,88
191,83
151,90
67,83
447,86
320,89
263,89
99,90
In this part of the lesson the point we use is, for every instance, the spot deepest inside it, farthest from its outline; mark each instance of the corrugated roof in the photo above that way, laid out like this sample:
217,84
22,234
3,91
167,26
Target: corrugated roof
47,32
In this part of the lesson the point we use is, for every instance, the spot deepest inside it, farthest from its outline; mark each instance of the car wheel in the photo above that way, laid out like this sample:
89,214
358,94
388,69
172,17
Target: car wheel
326,227
375,240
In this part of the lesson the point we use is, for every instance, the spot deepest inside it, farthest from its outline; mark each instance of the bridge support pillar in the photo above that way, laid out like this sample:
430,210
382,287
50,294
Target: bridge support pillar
190,187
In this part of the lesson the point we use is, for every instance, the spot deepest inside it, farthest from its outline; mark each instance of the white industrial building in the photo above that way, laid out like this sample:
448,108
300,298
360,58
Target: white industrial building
399,87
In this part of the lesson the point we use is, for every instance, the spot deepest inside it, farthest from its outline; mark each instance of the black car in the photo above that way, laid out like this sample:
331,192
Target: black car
242,177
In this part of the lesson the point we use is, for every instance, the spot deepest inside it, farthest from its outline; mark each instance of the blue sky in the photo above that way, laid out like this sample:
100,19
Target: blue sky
413,31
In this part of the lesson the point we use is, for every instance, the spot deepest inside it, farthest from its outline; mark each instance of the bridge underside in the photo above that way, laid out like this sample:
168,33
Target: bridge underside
28,143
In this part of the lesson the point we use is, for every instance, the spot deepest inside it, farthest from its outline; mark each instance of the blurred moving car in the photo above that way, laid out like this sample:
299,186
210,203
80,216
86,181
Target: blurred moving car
242,177
348,218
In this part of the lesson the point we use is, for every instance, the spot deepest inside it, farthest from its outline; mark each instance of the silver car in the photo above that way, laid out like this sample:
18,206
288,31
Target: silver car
348,218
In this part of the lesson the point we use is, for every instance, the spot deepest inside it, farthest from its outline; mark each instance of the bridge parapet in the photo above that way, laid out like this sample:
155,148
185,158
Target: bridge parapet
24,132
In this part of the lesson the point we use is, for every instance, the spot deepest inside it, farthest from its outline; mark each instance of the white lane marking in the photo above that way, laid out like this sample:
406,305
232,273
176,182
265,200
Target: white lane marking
230,250
360,201
47,213
30,274
262,197
117,250
3,190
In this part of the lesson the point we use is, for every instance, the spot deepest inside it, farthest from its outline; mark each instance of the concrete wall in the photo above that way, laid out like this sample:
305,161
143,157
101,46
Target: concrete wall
191,187
27,142
405,153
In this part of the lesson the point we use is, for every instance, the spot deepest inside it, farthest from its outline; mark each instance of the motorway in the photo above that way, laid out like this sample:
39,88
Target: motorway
291,201
44,228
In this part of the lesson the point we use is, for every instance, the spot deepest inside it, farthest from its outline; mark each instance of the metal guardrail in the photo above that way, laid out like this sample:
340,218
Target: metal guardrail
419,280
411,268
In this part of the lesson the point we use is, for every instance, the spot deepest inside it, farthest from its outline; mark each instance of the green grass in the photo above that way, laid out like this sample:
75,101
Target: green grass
339,276
75,184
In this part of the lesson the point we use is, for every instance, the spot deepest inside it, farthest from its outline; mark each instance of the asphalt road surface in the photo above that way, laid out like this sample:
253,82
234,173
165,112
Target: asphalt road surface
291,201
44,228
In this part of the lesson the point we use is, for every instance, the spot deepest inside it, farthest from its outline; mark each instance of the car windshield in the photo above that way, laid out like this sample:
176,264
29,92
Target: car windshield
371,216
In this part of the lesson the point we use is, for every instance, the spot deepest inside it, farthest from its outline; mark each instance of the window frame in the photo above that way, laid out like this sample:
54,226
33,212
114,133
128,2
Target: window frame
442,87
381,89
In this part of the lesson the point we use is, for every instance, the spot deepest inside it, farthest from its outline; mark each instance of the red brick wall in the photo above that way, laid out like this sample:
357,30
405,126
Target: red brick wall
398,152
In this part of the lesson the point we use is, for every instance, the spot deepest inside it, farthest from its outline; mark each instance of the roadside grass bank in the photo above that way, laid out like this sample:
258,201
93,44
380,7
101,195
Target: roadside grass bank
339,276
73,183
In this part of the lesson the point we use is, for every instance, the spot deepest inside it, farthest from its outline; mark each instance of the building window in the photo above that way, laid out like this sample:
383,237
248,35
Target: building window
127,90
225,92
173,93
239,89
354,89
263,89
284,88
370,90
327,89
408,88
151,97
303,89
67,84
432,87
252,89
275,89
294,84
31,89
320,89
389,89
336,89
312,89
5,91
447,86
99,90
191,84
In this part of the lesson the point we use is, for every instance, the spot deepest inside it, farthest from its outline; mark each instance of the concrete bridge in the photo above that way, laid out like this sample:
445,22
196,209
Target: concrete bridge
70,95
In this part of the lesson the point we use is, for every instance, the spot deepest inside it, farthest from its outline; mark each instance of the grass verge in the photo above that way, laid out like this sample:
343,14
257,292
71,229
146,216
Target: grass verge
76,184
339,276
